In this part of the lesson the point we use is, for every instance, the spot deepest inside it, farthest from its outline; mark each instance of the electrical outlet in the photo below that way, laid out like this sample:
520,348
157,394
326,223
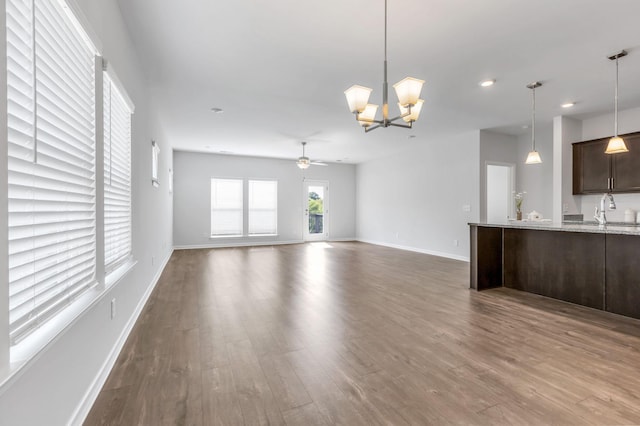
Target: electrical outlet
397,235
113,308
466,208
456,243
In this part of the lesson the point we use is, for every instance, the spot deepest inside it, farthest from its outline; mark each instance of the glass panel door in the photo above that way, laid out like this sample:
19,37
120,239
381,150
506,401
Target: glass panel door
315,210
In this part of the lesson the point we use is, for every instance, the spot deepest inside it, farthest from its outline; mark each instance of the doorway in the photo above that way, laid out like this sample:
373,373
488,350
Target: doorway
315,210
500,186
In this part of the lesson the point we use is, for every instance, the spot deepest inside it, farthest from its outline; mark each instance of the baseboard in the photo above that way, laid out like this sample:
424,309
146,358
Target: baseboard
337,240
82,411
236,244
417,250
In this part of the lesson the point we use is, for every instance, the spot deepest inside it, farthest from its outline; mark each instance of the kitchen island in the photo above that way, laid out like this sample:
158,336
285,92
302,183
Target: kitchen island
586,264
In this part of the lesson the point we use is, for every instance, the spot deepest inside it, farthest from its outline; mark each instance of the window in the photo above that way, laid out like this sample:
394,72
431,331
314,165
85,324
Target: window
117,176
263,207
226,208
51,163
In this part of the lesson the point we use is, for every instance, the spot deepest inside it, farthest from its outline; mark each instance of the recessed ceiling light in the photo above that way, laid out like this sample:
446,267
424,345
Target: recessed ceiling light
487,83
217,110
568,105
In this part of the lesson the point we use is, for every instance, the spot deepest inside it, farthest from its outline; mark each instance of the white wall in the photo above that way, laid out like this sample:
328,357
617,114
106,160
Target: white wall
192,196
566,130
495,148
57,386
537,179
414,200
600,127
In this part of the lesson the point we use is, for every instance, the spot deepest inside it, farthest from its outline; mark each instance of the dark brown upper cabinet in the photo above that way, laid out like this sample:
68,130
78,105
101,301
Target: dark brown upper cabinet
595,172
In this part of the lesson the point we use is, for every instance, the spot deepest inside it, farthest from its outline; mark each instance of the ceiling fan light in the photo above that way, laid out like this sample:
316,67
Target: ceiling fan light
368,115
357,98
415,111
303,162
533,158
616,145
408,90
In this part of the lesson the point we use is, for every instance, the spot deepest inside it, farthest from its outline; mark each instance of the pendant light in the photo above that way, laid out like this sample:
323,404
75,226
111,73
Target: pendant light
408,92
616,144
533,157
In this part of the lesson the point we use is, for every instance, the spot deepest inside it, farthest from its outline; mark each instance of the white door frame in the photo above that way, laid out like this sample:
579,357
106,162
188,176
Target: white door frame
306,236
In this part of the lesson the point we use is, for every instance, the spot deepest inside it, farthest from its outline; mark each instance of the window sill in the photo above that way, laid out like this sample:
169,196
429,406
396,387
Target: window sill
29,350
262,235
113,277
215,237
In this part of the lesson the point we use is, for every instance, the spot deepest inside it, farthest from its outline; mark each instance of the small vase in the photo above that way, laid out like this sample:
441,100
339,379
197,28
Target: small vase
519,215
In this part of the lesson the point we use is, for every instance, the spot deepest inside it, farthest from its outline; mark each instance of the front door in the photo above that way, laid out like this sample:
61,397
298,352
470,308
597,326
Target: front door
315,210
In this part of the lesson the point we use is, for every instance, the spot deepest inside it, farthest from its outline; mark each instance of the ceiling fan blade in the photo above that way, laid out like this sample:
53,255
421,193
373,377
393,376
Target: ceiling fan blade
319,163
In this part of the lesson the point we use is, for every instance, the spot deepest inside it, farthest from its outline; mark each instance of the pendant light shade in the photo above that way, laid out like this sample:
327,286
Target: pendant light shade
534,156
357,98
616,144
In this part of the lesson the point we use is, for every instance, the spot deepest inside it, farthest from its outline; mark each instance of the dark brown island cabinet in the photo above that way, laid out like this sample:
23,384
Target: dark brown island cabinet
595,172
598,269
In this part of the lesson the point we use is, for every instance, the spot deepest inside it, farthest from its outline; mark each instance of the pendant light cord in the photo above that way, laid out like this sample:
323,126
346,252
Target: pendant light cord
533,120
615,114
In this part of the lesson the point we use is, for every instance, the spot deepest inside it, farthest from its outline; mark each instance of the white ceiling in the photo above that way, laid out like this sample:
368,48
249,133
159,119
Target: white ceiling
279,68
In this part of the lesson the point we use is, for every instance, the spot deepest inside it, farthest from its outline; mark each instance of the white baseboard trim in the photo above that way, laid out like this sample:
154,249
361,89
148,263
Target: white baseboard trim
415,249
81,412
337,240
236,244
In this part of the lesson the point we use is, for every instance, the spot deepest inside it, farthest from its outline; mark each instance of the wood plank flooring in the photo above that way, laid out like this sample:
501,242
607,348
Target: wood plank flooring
357,334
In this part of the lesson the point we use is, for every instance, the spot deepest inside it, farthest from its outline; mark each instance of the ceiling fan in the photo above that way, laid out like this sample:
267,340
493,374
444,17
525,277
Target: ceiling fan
304,162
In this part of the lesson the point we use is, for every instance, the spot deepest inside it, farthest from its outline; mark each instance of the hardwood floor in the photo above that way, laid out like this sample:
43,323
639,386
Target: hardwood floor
357,334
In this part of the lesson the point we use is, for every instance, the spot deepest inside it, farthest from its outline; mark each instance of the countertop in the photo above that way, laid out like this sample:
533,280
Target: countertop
610,228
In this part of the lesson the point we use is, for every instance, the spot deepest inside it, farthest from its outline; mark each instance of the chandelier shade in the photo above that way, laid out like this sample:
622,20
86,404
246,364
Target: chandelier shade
368,115
357,98
408,91
409,116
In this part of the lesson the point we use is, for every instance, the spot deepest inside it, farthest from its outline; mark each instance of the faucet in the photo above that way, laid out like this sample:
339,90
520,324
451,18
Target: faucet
600,215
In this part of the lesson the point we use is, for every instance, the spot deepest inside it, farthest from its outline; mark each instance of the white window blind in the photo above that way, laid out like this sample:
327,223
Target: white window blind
117,177
263,207
51,162
226,207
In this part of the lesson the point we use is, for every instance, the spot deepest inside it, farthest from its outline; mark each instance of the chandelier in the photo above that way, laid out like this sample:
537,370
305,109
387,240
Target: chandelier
408,92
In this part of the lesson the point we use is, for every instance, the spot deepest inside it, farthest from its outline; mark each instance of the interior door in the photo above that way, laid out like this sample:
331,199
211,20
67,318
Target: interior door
315,210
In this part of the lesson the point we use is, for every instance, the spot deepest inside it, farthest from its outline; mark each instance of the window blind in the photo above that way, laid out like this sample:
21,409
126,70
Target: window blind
226,208
51,163
263,207
117,177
